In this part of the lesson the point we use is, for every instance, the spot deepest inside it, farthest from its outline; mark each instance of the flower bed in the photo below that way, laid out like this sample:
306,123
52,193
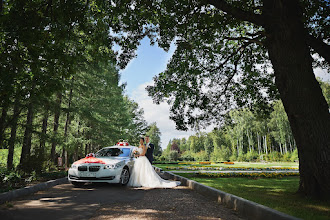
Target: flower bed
252,175
229,168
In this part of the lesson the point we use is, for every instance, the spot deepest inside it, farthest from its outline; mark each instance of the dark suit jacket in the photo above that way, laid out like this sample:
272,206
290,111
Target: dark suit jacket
149,152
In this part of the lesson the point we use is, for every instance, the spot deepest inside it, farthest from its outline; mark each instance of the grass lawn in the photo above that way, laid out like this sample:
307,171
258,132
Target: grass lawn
277,193
236,164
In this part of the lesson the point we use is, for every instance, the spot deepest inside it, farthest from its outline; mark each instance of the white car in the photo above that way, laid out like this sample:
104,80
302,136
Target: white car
110,164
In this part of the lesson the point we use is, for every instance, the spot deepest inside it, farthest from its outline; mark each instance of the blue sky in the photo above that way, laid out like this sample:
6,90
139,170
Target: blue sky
150,61
139,73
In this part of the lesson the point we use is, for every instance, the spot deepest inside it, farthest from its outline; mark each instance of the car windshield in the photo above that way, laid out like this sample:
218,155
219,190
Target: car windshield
113,152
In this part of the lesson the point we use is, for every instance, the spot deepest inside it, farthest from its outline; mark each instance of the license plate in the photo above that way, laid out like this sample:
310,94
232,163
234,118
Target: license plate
87,174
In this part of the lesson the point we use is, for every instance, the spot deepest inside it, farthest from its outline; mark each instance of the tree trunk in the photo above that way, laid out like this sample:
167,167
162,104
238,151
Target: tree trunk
12,140
3,123
258,143
43,133
265,144
56,121
301,94
66,127
26,148
86,149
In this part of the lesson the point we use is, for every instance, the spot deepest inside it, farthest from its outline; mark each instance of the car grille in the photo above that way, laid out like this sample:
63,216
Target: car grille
91,178
82,168
94,168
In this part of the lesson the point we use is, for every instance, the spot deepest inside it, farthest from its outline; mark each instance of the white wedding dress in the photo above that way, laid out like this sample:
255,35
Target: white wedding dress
143,174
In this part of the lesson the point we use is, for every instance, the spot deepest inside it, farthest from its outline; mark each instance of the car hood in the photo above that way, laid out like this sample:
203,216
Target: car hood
100,160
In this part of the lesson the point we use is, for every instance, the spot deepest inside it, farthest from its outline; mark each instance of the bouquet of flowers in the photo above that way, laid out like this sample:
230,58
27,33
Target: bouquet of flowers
136,153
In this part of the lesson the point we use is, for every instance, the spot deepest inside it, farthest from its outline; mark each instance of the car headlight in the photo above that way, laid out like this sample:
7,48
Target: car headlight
73,166
113,166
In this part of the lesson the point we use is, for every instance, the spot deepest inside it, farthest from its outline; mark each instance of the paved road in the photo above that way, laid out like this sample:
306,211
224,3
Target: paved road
110,201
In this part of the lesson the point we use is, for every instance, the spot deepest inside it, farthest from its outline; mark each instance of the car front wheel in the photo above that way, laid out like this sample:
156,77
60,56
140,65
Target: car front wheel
124,177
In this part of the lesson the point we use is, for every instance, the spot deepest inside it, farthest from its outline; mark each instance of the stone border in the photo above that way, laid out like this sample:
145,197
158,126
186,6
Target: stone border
11,195
244,207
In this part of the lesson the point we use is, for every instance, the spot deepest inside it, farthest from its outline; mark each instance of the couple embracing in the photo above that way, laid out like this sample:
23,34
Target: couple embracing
143,174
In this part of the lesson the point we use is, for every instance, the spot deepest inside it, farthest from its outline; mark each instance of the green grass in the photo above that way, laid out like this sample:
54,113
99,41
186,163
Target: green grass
236,164
277,193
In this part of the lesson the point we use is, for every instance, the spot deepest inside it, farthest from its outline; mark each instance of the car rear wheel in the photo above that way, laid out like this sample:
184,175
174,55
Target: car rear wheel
77,184
124,177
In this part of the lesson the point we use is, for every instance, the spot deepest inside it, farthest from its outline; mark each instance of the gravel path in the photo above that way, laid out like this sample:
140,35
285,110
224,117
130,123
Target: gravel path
112,201
177,203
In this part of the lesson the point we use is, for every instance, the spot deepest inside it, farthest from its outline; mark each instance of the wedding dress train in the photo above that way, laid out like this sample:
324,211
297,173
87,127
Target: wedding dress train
143,174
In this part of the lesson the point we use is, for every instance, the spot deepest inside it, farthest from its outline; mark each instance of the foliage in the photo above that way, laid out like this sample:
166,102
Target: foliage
173,155
154,134
59,88
223,166
325,86
244,137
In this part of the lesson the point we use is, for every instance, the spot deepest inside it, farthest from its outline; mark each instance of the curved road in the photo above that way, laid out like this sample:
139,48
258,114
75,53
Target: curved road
111,201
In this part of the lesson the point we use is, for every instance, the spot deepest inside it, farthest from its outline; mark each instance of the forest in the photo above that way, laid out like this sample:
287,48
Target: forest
60,94
90,111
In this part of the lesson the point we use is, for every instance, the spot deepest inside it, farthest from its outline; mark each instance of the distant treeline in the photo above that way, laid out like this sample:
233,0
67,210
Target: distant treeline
245,136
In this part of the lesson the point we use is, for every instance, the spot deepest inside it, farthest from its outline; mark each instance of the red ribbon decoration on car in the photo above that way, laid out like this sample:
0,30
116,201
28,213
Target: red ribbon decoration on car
90,160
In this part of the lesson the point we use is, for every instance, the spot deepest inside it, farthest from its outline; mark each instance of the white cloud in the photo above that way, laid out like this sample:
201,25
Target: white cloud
322,73
159,114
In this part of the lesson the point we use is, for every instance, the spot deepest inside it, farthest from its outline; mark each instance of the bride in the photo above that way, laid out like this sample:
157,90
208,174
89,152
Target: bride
143,174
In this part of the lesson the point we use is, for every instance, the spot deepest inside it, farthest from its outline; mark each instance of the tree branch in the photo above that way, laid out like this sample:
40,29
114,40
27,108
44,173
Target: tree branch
320,47
233,74
252,40
241,48
236,12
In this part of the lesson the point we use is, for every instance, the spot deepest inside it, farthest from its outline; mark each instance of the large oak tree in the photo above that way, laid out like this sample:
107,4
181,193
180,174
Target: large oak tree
241,53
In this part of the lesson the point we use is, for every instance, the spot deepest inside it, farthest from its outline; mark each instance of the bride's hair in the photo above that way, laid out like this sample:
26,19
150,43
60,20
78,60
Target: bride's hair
142,139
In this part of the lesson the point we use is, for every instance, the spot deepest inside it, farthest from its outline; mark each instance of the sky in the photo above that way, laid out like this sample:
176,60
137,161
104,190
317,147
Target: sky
139,73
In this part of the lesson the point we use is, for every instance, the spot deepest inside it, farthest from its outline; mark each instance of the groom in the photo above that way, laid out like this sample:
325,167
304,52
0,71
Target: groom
150,149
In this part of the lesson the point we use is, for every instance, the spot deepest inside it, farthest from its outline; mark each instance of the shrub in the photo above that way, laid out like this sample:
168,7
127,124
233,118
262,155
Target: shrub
251,156
294,156
201,156
274,156
286,157
173,155
221,154
233,157
187,157
241,157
